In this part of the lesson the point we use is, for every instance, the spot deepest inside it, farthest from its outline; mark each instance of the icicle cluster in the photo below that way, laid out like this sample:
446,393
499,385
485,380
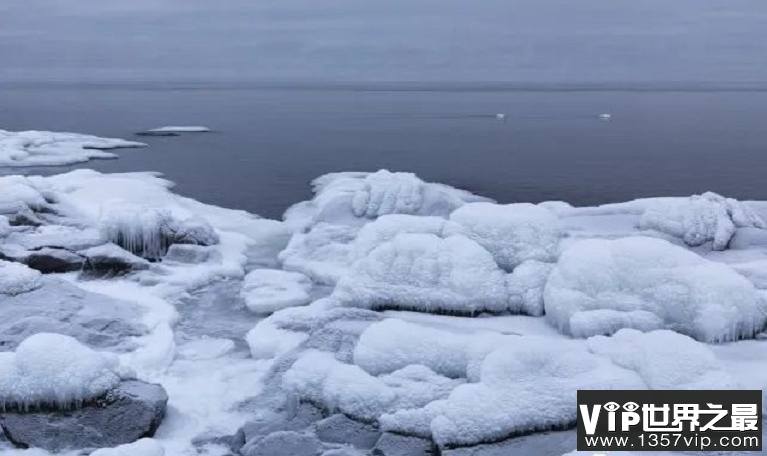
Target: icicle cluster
146,232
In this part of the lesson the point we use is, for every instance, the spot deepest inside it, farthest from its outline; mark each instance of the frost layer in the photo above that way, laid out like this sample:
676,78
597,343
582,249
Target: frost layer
55,370
269,290
16,278
46,148
701,218
425,273
601,286
512,233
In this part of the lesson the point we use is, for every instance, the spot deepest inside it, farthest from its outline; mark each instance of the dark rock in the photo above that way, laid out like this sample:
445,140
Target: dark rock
342,429
284,443
256,430
109,259
131,411
401,445
542,444
157,133
195,231
47,260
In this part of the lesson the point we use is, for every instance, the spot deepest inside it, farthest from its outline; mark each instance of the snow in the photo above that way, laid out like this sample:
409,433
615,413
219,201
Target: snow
182,129
512,233
600,286
55,370
45,148
525,286
700,219
322,253
386,228
426,273
142,447
268,290
17,278
5,227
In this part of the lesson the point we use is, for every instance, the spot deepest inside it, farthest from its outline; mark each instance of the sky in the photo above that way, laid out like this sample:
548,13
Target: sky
720,41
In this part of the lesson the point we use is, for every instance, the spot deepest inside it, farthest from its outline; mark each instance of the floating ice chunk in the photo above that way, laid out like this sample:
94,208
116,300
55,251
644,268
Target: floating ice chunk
182,129
269,290
605,117
512,233
424,273
700,218
45,148
56,370
500,116
16,278
393,344
525,286
387,227
322,253
599,286
143,447
664,359
526,386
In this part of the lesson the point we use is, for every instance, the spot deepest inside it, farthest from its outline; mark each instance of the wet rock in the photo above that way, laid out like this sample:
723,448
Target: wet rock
48,260
284,443
187,253
254,431
543,444
131,411
401,445
342,429
109,259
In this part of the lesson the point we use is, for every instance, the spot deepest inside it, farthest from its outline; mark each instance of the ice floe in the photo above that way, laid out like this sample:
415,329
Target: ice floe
268,290
183,129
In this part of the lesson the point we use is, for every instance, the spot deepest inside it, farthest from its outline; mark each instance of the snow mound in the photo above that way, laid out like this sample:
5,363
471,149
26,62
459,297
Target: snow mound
525,286
512,233
527,386
322,253
5,227
16,278
45,148
424,273
664,359
268,290
386,228
143,447
701,218
182,129
601,286
55,370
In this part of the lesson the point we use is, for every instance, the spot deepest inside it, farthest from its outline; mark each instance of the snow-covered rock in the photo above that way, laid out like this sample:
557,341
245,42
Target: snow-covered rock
601,286
701,218
45,148
48,260
109,259
512,233
386,228
322,253
525,286
428,274
56,370
268,290
17,278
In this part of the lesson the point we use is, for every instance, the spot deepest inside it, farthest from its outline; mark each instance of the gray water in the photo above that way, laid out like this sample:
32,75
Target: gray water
270,140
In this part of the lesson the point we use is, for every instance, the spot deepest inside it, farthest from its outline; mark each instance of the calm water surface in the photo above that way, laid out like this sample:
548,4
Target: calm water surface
269,142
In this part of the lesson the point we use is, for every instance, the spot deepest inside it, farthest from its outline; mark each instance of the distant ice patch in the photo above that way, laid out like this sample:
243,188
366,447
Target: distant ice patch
46,148
182,129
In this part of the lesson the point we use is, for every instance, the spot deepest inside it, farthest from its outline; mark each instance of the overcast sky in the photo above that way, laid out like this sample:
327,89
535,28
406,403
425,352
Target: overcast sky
391,40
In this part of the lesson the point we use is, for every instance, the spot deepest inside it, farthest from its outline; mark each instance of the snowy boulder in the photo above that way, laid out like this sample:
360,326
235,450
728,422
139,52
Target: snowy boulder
48,260
700,219
109,259
425,273
45,148
525,387
601,286
386,228
322,253
268,290
512,233
665,360
130,411
16,278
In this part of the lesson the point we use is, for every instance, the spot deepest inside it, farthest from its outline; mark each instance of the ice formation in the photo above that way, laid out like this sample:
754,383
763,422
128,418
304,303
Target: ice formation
56,370
425,273
525,286
143,447
387,227
45,148
601,286
5,227
512,233
665,360
701,218
17,278
322,253
268,290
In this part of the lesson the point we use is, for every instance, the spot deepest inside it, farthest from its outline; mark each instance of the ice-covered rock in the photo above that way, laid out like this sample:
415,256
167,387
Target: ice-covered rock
601,286
55,370
665,360
48,260
512,233
109,259
386,228
428,274
322,253
45,148
17,278
268,290
130,411
701,218
187,253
